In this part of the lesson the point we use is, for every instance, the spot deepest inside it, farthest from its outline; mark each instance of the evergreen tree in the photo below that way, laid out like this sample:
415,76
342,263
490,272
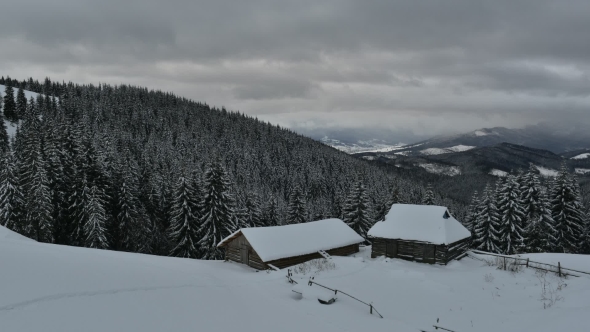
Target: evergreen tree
471,213
217,211
357,210
9,104
539,228
567,214
4,145
511,217
270,215
39,210
184,224
252,211
94,228
21,104
296,212
428,196
487,222
11,198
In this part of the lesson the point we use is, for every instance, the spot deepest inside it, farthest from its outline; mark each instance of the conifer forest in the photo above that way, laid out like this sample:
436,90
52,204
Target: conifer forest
130,169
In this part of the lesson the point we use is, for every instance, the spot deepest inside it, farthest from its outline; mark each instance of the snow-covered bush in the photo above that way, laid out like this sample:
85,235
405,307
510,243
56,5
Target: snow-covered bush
314,267
550,289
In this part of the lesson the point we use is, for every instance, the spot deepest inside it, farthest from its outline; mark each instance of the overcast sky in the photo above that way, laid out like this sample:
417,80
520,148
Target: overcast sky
407,69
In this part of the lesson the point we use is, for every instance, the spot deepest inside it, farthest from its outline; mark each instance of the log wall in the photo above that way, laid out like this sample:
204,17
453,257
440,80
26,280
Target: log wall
234,252
415,250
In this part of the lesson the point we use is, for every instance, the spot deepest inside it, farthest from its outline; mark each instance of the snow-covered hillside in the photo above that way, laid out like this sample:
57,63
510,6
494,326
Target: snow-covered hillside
441,169
48,288
582,156
362,146
437,151
10,127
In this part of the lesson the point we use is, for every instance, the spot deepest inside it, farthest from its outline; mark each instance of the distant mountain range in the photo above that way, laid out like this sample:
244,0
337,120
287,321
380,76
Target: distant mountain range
562,140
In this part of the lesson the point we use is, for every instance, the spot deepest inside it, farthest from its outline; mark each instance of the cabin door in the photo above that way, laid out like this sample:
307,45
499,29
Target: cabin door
391,248
429,253
244,252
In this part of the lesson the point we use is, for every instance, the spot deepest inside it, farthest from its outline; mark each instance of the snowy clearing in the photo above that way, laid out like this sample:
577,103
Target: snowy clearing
547,172
437,151
499,173
582,156
480,133
582,170
441,169
59,288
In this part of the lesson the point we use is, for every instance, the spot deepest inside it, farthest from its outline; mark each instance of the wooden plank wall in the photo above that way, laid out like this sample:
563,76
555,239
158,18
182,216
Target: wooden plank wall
408,250
458,248
290,261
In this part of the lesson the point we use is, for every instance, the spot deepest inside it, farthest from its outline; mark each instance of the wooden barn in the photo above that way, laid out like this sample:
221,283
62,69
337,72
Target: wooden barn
283,246
422,233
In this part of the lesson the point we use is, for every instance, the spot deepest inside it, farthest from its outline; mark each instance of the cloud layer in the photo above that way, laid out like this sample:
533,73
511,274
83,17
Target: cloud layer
408,68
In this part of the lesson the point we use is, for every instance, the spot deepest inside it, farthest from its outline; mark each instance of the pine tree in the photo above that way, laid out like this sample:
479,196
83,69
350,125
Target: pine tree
469,221
357,210
428,196
511,217
39,210
487,223
539,230
252,211
567,214
11,198
4,145
296,212
184,224
21,104
94,228
270,214
217,211
9,105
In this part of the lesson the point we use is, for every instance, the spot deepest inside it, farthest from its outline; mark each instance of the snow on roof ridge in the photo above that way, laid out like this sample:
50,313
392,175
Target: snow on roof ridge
276,242
425,223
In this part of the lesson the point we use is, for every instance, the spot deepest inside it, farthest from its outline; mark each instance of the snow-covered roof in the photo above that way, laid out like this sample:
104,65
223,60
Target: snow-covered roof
272,243
426,223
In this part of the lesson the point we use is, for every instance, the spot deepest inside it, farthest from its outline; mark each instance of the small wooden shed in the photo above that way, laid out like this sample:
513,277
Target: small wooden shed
283,246
422,233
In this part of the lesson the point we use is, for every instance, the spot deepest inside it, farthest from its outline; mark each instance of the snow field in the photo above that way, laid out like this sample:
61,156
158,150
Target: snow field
59,288
441,169
582,156
456,148
499,173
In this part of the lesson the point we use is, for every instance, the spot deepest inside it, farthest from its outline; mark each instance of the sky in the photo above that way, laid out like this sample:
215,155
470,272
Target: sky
396,70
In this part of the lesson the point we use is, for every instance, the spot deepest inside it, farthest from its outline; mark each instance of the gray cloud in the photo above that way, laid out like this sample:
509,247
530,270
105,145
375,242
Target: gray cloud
407,68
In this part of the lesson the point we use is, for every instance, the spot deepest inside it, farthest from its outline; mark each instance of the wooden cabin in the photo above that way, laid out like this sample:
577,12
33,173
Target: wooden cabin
421,233
283,246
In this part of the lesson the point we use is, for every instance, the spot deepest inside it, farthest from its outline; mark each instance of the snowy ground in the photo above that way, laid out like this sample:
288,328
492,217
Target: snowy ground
582,156
58,288
437,151
498,173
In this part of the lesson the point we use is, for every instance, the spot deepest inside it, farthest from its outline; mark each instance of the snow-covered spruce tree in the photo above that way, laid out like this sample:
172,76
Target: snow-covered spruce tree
567,213
539,230
217,211
77,212
11,197
9,105
253,213
428,196
487,223
94,228
270,214
3,135
296,213
184,223
469,220
511,217
357,210
39,208
21,104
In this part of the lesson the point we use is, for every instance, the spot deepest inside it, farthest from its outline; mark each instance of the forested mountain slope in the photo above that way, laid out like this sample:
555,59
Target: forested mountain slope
125,168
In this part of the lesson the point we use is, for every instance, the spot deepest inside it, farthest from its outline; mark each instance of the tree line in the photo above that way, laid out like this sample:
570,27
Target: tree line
521,214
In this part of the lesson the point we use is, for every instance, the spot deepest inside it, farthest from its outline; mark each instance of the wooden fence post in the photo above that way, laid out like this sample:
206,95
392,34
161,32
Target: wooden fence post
504,263
559,268
527,262
371,306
